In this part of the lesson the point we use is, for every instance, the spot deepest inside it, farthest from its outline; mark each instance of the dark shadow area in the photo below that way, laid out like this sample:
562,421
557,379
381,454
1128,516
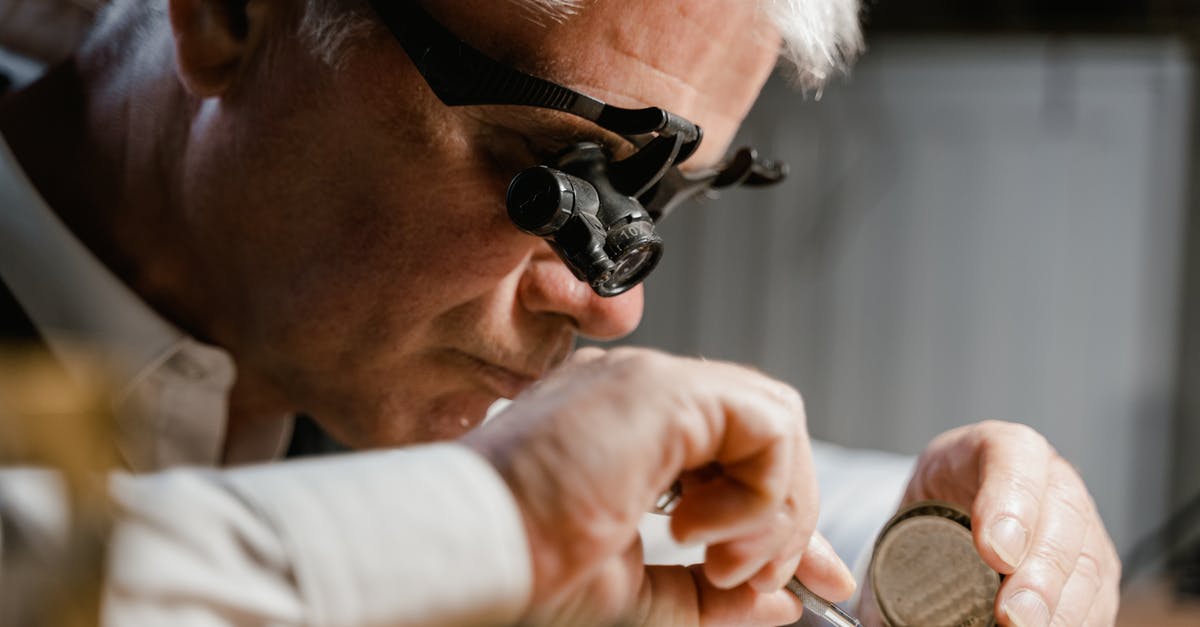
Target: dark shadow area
1018,16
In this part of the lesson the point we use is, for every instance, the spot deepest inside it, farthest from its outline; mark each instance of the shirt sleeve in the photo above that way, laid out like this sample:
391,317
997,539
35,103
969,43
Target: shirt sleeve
425,535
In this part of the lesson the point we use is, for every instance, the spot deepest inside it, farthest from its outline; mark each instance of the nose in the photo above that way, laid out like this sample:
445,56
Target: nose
547,286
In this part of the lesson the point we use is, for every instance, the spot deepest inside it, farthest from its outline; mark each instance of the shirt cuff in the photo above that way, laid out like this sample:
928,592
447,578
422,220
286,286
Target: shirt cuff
424,535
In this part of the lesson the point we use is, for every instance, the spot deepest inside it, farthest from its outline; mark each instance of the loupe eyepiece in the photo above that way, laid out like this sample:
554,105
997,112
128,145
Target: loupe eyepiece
635,248
562,208
606,238
540,200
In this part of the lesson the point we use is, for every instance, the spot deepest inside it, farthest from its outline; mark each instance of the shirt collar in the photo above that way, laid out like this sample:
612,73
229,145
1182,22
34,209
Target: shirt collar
172,401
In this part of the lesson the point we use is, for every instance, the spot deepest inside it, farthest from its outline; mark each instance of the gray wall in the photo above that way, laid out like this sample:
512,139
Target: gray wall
972,229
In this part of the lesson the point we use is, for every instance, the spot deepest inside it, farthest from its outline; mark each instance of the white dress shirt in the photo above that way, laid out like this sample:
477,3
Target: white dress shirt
425,535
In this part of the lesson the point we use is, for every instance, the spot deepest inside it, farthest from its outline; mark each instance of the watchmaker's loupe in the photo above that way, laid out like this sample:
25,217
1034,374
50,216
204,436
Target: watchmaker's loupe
597,213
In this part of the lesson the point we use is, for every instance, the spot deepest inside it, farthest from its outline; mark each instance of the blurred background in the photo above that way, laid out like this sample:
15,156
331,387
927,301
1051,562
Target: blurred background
992,217
995,216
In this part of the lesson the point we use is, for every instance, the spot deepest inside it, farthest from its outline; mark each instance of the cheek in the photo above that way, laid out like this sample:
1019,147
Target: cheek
455,232
430,208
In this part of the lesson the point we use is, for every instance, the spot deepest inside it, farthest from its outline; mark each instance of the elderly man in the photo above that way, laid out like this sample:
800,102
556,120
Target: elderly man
259,208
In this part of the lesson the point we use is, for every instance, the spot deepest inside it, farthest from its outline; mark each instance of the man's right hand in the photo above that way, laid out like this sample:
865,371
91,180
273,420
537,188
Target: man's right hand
588,450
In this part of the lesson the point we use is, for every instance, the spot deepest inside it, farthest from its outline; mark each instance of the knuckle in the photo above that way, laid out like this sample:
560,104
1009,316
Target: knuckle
792,407
795,401
992,424
1055,558
1017,432
630,355
787,398
800,511
1026,489
1078,512
639,363
1028,436
1088,568
782,425
779,428
738,551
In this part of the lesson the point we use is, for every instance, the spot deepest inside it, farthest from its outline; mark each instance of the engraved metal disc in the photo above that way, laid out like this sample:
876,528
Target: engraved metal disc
926,573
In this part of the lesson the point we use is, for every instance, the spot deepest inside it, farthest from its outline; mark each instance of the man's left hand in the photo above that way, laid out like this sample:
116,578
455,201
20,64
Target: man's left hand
1033,521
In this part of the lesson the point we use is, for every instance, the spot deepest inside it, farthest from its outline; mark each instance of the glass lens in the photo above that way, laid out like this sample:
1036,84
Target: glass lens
634,266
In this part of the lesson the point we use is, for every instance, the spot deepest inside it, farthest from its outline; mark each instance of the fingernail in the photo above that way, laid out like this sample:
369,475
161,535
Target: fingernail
1007,538
1026,609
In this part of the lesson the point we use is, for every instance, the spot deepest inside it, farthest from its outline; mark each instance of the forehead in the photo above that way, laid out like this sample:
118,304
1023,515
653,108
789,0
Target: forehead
703,59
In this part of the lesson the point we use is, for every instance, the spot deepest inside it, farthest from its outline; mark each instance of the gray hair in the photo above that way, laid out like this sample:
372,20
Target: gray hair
820,37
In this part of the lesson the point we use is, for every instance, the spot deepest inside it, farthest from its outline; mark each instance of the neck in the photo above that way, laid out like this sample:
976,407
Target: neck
103,142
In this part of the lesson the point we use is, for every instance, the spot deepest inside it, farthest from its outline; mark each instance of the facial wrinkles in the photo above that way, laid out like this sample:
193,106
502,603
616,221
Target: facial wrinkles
702,59
453,212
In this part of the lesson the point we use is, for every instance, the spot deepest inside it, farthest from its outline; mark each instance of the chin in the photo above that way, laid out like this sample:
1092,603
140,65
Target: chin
446,417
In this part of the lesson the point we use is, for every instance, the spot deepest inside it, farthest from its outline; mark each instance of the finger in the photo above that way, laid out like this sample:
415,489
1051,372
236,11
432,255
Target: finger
684,596
800,514
1104,611
770,557
730,564
778,570
754,443
776,573
1013,464
1030,596
1080,592
719,511
1107,601
824,572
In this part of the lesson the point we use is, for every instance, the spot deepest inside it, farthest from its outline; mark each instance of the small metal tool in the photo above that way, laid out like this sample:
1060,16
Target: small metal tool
833,614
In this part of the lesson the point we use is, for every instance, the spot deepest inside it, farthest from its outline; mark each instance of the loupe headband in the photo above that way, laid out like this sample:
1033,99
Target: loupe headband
596,212
461,75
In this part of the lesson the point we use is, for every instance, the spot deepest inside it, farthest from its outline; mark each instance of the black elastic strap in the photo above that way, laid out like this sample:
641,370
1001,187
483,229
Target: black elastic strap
461,75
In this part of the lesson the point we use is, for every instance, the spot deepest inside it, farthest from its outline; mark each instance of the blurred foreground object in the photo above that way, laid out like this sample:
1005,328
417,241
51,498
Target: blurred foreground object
51,421
46,30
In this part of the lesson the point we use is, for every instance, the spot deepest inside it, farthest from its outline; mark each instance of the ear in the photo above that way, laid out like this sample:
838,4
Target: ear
213,39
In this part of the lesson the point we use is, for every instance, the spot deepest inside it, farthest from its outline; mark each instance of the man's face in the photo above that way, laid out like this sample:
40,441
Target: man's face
362,252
